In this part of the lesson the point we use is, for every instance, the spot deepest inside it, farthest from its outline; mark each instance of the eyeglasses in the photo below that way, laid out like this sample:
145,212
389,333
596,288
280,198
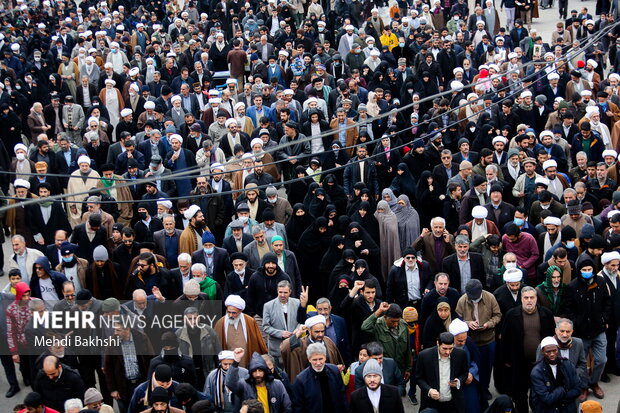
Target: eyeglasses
410,258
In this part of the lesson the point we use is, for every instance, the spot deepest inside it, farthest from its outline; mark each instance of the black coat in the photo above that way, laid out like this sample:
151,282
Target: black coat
144,233
510,355
230,245
397,282
85,246
233,284
427,376
506,214
450,266
68,386
390,400
588,307
57,220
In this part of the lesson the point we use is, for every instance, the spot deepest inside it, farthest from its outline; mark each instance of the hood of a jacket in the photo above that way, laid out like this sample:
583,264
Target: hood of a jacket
20,289
258,363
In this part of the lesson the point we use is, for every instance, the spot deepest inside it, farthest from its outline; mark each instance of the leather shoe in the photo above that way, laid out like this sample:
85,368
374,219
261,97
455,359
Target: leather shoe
12,392
584,395
26,382
605,378
413,400
598,392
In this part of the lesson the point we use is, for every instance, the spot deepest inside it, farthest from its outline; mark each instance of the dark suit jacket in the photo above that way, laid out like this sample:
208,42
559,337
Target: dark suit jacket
441,177
390,400
397,282
427,374
145,148
230,245
506,214
450,265
159,238
51,252
63,168
221,263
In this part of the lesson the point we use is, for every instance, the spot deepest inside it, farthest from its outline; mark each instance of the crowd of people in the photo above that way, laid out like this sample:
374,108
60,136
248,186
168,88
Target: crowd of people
372,198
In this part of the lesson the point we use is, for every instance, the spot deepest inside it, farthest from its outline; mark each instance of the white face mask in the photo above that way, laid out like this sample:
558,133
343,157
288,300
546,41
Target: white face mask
510,265
244,219
545,206
472,129
20,156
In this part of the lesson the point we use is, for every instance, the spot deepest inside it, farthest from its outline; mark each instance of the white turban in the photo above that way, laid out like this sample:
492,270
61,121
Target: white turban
317,319
236,301
458,326
149,104
499,139
230,121
177,137
21,183
479,212
256,141
610,256
166,203
126,112
20,146
550,163
552,221
191,211
83,159
513,275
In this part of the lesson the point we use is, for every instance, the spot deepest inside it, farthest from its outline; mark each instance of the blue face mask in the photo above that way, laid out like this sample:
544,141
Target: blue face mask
519,221
570,244
67,259
587,274
209,251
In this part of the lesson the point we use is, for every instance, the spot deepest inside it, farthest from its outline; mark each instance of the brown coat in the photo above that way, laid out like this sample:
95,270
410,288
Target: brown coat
426,245
296,360
351,133
187,240
119,96
82,266
255,338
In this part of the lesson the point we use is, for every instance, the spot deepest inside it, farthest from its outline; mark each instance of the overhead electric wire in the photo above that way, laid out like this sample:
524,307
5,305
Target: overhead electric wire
189,173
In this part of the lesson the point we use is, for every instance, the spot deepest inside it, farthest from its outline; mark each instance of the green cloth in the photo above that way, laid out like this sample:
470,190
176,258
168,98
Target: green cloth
209,287
396,347
585,145
547,289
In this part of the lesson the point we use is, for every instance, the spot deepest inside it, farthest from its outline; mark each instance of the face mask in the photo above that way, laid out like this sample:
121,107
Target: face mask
457,17
545,206
587,274
401,44
511,265
321,29
273,201
272,65
67,259
20,156
519,221
37,59
208,251
472,129
244,219
114,50
142,215
570,244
